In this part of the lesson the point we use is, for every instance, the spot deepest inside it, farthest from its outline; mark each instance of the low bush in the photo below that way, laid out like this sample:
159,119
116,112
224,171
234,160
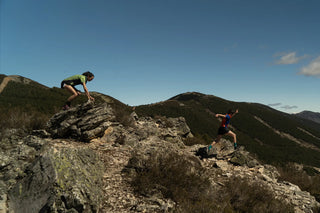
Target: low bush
184,181
243,195
123,114
15,118
300,177
176,178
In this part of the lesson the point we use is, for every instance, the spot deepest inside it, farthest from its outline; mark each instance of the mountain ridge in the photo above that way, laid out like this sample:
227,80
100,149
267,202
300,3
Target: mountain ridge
89,161
25,80
313,116
264,131
150,163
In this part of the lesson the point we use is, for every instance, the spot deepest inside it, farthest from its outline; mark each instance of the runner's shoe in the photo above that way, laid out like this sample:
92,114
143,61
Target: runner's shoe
66,107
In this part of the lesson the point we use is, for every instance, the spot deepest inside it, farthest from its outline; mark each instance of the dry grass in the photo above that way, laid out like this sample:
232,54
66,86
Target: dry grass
185,182
26,121
244,196
174,177
307,182
123,114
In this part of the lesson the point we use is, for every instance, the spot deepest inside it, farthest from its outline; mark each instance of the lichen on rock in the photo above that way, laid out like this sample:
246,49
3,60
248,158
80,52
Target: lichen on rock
62,178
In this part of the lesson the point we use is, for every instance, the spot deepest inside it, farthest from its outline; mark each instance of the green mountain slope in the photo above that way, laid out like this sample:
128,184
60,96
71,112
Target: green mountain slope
275,137
313,116
27,104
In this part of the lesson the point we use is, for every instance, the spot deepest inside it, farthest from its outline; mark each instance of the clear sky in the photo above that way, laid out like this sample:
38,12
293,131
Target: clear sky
146,51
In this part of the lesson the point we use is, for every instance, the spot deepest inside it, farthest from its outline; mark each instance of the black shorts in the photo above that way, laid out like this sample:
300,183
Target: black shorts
223,130
63,83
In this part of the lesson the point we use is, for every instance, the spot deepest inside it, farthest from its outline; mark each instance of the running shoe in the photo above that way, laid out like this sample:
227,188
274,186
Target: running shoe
235,146
66,107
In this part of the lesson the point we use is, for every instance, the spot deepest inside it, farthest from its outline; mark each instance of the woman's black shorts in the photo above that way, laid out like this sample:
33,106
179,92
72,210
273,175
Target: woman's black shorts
223,130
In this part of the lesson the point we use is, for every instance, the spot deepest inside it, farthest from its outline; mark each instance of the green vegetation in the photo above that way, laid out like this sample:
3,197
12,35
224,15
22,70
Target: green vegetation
259,139
28,106
32,97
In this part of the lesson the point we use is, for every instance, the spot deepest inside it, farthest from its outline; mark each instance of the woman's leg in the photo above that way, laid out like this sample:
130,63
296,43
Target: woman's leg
72,91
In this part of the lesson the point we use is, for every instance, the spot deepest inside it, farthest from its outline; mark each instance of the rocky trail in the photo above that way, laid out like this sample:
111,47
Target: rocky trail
120,197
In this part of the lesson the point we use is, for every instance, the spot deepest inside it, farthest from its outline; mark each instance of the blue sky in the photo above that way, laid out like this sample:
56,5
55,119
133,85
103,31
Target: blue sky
146,51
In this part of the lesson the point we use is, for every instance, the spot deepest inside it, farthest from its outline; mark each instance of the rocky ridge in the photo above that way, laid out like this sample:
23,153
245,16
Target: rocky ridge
86,162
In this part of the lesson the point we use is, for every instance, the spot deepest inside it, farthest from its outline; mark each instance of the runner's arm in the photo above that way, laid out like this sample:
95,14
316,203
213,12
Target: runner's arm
237,111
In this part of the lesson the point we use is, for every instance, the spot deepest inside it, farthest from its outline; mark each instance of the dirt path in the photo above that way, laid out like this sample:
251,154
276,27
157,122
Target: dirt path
4,83
119,196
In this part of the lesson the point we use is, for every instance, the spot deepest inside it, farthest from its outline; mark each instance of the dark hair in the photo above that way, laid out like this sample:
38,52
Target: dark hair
88,74
231,111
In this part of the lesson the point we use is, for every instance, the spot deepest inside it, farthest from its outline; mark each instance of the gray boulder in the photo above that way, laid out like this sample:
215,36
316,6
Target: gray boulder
83,122
62,179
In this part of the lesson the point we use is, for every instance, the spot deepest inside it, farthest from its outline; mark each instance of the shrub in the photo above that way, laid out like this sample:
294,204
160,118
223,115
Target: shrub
18,119
175,178
300,177
185,182
123,114
247,196
15,118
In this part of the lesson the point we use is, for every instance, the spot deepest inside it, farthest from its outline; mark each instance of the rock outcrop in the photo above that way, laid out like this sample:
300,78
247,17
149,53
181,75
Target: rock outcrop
61,179
240,164
82,123
88,161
